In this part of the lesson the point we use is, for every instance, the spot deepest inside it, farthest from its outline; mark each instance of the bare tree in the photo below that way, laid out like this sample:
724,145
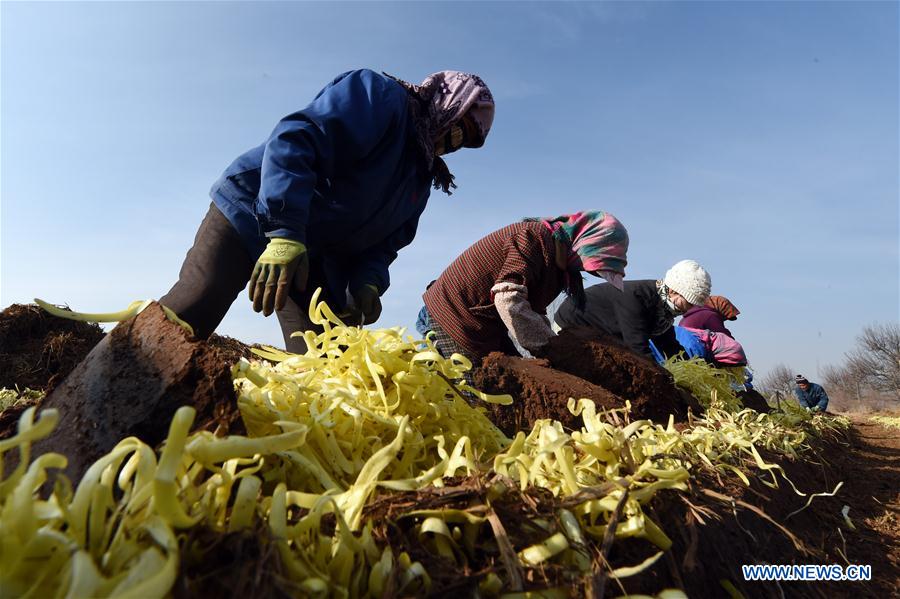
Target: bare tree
778,383
847,380
876,358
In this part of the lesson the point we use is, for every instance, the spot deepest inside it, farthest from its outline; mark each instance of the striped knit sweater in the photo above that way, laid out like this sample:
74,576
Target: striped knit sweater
460,299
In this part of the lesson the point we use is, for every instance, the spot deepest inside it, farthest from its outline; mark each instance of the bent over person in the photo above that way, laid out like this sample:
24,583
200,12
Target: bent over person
498,290
810,395
329,199
644,311
711,315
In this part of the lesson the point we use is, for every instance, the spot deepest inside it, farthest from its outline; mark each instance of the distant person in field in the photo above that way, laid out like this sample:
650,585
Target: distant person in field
712,315
810,395
497,291
329,199
642,311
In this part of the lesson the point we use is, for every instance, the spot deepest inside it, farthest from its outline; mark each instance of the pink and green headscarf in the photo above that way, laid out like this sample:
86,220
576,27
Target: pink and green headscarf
597,240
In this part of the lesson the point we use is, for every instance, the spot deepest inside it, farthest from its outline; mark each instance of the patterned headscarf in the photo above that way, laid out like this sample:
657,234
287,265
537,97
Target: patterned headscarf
597,240
723,306
440,101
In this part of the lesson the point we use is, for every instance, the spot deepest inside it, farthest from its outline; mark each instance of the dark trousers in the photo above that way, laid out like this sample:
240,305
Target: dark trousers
215,271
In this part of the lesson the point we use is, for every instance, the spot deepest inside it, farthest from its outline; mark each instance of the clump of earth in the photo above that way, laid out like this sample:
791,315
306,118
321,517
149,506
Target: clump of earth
580,363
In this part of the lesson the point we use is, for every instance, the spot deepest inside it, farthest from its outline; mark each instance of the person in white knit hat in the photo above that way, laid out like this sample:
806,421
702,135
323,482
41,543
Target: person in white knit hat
686,284
643,311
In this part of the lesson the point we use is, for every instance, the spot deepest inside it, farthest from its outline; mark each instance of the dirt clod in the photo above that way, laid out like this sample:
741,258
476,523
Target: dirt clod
538,391
38,350
131,383
580,363
604,361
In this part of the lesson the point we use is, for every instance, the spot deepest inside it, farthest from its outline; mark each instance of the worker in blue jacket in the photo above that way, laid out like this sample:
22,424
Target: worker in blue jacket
329,199
810,395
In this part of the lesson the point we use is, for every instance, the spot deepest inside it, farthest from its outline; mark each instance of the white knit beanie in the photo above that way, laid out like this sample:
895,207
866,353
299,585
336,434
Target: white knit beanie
690,280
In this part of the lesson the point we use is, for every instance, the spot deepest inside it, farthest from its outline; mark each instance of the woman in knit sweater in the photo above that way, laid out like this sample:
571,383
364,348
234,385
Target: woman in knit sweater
498,290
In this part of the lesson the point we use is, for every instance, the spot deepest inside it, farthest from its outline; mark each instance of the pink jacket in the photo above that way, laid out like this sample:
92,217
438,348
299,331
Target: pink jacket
723,348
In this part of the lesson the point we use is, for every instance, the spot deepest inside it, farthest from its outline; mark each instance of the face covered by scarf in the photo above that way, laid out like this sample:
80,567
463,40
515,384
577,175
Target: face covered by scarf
596,242
663,290
439,103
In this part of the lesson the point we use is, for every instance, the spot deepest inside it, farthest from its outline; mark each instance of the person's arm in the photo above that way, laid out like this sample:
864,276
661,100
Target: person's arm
821,399
343,124
667,343
527,261
528,328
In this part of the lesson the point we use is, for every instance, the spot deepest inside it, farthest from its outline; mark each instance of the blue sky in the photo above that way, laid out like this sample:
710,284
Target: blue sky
760,139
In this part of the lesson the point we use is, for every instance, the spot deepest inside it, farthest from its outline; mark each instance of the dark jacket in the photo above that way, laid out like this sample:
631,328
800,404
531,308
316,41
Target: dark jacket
636,315
813,398
342,176
704,317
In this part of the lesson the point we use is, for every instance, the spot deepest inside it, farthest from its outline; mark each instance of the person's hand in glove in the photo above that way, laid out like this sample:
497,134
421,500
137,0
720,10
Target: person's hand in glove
368,303
282,266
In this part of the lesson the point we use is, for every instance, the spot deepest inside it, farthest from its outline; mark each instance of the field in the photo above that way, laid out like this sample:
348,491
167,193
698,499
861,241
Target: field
361,469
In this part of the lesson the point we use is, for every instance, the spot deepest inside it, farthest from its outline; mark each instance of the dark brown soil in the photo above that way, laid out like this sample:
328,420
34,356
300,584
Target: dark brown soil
712,539
580,363
604,361
515,511
539,392
32,332
218,565
132,383
38,350
715,528
230,349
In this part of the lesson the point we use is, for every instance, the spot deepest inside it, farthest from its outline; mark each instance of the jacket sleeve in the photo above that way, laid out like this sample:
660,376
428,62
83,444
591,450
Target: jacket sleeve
666,343
801,398
820,399
527,328
372,266
691,343
342,125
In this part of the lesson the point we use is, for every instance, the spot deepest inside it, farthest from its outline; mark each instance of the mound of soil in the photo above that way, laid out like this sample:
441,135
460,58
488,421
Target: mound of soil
38,350
230,349
132,383
580,363
723,524
604,361
539,392
222,565
716,527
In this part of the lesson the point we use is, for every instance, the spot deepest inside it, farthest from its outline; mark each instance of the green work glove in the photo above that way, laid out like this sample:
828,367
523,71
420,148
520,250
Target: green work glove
367,302
284,264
